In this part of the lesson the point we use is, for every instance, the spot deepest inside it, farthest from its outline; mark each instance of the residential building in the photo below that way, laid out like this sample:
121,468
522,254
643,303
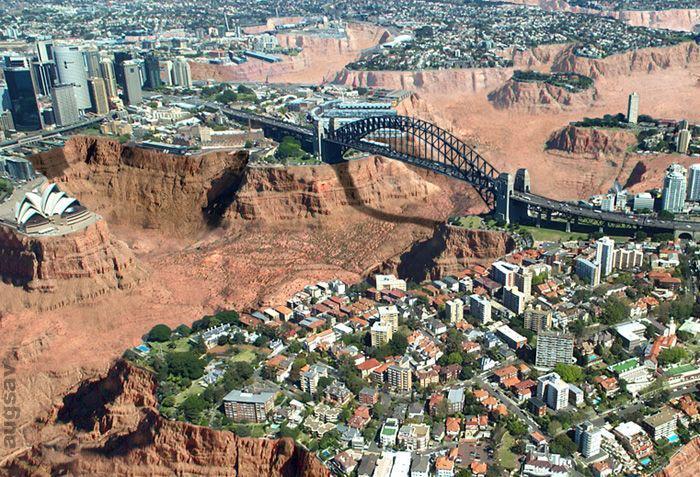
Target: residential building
673,194
683,141
605,252
628,258
248,407
504,273
553,391
588,271
553,348
444,467
523,281
389,282
588,438
514,339
634,439
632,335
402,464
455,400
389,316
380,334
514,300
108,75
454,309
538,318
389,433
399,377
420,467
643,201
633,108
480,308
662,425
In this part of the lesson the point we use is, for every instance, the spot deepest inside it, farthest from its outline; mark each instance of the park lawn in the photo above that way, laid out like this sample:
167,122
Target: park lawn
244,355
541,234
181,345
504,456
194,388
469,222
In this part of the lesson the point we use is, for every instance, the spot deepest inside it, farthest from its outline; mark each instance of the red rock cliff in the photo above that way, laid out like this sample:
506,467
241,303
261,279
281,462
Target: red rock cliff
179,195
538,96
64,269
591,141
110,426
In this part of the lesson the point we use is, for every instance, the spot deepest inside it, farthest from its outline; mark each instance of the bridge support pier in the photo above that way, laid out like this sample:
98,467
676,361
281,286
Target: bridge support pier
331,153
539,219
549,216
568,225
601,229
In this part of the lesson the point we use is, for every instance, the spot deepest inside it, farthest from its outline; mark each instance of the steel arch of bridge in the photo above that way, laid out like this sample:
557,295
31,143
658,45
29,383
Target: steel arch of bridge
420,143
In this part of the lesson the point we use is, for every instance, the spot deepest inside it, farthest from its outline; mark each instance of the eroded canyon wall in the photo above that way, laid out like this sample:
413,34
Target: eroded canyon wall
110,426
594,142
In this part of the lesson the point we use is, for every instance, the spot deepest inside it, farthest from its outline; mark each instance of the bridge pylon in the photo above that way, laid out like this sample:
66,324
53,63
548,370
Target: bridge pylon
504,192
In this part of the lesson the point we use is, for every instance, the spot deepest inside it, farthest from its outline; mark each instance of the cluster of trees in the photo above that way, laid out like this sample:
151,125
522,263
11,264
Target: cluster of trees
615,311
607,121
5,187
289,148
573,81
569,372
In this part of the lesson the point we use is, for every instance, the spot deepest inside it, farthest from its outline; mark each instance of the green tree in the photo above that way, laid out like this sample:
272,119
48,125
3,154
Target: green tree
672,356
193,406
563,445
569,372
185,365
615,311
398,344
159,333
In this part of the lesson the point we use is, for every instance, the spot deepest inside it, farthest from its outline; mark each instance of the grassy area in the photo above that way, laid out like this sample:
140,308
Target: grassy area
469,222
181,345
541,234
244,355
504,456
193,389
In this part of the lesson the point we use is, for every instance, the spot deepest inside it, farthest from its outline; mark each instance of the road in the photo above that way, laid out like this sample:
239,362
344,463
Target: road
510,404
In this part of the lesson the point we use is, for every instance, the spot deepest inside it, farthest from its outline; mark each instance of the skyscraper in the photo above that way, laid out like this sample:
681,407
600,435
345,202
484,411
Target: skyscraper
98,96
153,72
119,58
683,141
673,195
71,70
553,348
65,109
108,75
44,76
132,82
633,108
166,72
182,73
44,51
25,109
694,183
604,253
92,61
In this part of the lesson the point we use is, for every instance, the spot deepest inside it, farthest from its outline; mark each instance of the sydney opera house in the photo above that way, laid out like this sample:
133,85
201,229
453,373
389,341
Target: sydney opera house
48,209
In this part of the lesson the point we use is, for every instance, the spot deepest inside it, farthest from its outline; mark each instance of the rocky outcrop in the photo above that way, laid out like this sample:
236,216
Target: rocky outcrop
110,426
64,269
685,462
646,60
274,194
592,142
450,250
178,195
679,19
539,96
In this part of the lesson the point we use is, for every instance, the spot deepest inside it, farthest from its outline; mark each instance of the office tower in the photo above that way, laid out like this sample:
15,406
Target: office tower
454,309
553,391
553,348
108,75
587,271
44,51
71,70
588,438
480,308
604,254
643,201
6,122
522,180
694,183
15,61
24,107
65,109
153,75
132,82
673,195
182,73
119,58
44,76
98,96
683,141
92,61
166,72
632,108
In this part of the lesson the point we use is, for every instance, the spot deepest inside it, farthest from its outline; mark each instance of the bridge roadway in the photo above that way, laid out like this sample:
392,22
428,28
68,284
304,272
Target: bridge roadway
572,210
531,200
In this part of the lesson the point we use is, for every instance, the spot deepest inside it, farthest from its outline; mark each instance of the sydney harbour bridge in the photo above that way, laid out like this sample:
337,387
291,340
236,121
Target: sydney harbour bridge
428,146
